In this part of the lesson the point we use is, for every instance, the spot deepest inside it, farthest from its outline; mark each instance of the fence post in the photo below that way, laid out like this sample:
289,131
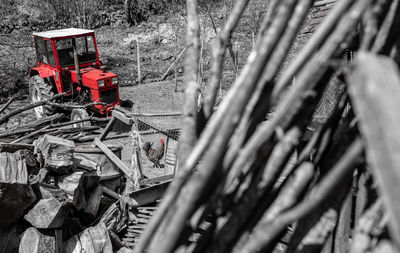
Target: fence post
138,62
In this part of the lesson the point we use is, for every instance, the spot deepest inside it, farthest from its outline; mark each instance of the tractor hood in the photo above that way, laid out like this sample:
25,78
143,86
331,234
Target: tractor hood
93,78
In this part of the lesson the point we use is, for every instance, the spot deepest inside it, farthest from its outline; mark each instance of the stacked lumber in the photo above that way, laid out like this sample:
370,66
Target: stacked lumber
246,184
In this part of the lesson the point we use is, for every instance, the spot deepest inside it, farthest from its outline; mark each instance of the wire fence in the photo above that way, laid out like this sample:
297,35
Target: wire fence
152,127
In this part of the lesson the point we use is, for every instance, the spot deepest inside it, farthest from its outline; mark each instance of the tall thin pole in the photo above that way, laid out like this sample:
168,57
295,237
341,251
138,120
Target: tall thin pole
138,62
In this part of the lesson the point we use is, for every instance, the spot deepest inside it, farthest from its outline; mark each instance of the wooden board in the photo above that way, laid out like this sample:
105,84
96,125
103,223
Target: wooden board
114,159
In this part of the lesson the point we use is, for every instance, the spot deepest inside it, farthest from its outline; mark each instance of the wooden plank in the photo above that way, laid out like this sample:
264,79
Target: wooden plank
122,117
108,129
114,159
150,194
156,179
375,81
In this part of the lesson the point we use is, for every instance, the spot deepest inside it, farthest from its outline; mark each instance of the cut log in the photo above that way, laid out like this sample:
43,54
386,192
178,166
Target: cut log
76,184
93,239
375,81
15,193
57,153
47,213
93,199
33,241
73,187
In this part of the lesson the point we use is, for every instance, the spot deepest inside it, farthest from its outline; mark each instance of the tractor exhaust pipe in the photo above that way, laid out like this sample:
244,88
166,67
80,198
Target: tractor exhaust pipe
76,62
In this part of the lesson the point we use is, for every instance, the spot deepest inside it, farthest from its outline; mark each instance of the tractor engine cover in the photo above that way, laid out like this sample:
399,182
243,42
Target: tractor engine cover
103,87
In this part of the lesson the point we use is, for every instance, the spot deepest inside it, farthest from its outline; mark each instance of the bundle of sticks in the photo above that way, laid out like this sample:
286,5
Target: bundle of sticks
238,189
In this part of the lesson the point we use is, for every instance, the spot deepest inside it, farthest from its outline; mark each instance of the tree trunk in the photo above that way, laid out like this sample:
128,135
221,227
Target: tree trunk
127,5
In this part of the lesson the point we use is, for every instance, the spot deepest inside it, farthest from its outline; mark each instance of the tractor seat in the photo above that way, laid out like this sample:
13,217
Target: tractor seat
66,56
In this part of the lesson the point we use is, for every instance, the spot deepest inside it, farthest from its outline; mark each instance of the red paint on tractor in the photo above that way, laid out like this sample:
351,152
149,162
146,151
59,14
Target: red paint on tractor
54,53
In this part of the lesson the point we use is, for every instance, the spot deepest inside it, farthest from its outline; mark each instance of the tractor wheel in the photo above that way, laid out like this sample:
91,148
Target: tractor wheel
78,114
40,90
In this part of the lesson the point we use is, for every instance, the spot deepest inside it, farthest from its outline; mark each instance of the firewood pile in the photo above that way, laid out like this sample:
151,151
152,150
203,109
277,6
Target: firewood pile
61,192
247,184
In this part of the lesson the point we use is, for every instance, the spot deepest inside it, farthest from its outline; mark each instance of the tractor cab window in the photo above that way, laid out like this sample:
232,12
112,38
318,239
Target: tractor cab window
65,52
84,47
40,50
50,55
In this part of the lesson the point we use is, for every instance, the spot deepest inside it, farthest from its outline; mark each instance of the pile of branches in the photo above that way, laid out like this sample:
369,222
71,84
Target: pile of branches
59,125
238,189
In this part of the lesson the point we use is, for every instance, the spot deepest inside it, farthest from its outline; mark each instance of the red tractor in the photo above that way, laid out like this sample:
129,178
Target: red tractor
68,62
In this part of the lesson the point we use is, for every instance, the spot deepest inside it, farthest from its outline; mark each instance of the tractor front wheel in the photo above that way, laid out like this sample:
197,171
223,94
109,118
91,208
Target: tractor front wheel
40,90
78,114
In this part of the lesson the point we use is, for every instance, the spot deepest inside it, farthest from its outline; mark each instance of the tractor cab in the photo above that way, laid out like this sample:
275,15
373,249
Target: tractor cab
68,62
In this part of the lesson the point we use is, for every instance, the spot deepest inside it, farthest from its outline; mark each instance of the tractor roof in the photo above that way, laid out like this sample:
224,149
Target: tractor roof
62,33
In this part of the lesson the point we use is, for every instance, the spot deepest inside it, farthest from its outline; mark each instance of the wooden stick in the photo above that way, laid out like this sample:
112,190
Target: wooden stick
368,222
75,106
10,100
40,122
135,166
240,92
343,229
389,30
288,196
258,106
311,47
254,190
343,168
173,64
308,78
222,41
28,107
17,132
30,135
247,82
125,199
382,146
189,129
